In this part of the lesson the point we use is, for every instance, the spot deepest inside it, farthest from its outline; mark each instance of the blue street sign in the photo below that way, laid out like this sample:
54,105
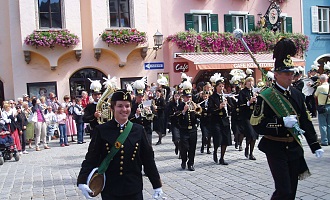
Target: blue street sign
154,65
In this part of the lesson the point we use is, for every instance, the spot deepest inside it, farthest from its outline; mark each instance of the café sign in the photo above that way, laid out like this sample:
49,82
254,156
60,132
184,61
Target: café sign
252,65
181,67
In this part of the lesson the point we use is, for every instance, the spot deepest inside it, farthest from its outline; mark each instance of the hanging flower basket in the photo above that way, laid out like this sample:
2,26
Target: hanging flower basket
124,36
52,38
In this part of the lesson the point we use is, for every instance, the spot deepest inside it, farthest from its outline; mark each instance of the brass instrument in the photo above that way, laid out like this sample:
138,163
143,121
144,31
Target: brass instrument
193,107
146,112
103,105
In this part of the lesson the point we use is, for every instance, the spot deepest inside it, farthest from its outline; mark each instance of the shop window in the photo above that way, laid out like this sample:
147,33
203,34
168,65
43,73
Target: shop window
79,80
243,22
50,14
201,22
119,13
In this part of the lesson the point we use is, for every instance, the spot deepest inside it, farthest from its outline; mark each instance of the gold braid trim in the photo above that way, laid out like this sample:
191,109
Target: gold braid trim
255,120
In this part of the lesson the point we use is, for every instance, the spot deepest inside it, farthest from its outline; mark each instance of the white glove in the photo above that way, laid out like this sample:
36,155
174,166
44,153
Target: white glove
289,121
85,190
157,193
319,153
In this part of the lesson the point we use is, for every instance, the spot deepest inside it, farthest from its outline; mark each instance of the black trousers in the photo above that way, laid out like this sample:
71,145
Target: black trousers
188,141
138,196
285,174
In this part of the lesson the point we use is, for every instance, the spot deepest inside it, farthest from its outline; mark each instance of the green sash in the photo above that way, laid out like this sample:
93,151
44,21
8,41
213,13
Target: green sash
280,105
115,148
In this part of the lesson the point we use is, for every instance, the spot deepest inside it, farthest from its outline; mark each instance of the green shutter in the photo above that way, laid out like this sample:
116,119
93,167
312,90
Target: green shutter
214,22
289,24
251,25
269,26
189,21
228,23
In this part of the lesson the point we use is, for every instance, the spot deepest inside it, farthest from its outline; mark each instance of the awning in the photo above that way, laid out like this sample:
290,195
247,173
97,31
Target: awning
221,61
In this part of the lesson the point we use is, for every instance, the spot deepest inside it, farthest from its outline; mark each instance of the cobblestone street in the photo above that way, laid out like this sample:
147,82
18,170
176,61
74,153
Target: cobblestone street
51,174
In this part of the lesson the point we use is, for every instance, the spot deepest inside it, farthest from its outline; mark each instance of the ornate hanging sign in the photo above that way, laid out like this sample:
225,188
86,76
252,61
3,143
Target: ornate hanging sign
273,16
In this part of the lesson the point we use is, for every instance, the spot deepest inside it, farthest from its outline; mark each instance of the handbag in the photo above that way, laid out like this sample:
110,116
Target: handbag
321,108
96,179
33,117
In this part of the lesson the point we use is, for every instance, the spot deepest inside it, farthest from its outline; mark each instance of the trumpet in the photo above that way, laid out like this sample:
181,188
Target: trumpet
193,107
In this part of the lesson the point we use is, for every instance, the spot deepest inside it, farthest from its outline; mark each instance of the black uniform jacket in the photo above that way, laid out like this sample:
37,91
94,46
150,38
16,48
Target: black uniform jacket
217,114
188,120
299,84
173,108
89,115
140,120
245,111
265,122
123,176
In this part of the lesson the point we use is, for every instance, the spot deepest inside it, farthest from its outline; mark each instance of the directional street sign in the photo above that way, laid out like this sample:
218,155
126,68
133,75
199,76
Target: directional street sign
153,65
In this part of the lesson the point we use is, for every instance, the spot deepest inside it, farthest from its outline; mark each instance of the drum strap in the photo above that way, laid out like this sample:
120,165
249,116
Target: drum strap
115,148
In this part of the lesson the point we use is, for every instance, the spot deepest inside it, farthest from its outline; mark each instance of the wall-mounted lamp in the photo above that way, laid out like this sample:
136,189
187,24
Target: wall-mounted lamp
78,54
53,67
158,41
262,21
27,56
97,54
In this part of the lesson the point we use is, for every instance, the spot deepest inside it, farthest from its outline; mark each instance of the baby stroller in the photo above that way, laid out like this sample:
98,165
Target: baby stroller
8,148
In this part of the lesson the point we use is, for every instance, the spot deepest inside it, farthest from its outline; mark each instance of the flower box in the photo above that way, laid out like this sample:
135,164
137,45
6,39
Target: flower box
258,41
123,36
51,38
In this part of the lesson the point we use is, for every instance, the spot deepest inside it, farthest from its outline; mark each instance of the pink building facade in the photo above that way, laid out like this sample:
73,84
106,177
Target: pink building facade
26,69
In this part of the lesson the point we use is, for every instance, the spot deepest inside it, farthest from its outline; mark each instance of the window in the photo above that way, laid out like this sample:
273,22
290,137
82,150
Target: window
50,14
119,13
243,22
323,18
201,22
320,19
238,22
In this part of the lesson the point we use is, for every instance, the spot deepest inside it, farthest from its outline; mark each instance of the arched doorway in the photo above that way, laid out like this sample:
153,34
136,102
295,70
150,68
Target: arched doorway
79,80
2,93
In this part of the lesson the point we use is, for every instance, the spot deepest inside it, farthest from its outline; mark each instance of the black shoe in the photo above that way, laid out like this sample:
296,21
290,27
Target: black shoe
176,150
79,142
183,165
208,151
158,143
240,148
73,141
251,157
236,145
202,149
246,153
222,162
215,157
191,168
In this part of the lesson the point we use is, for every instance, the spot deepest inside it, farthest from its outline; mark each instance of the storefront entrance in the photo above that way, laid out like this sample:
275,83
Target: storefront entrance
79,81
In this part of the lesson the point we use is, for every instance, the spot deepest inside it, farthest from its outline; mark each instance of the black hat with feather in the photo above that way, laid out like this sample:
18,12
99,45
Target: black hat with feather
283,51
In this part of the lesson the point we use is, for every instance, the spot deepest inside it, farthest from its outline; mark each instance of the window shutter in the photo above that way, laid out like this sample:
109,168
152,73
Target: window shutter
289,24
214,22
189,21
228,23
315,19
251,25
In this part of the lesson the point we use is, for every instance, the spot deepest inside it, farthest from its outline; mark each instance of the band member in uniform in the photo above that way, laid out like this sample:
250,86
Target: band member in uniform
219,119
188,127
280,115
123,174
235,119
205,123
140,114
159,108
310,100
90,113
246,102
173,108
298,83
